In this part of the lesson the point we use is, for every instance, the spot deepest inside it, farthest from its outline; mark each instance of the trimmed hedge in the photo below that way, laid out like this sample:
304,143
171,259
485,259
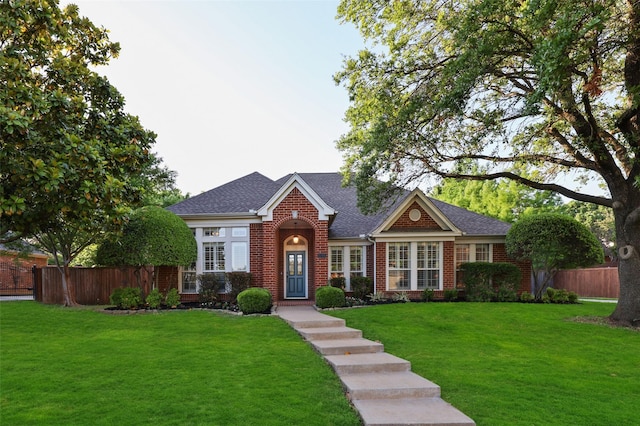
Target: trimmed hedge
254,300
330,297
486,282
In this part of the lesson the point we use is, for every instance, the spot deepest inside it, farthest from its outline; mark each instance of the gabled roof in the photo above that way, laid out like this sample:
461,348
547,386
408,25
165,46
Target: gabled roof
446,226
295,181
254,192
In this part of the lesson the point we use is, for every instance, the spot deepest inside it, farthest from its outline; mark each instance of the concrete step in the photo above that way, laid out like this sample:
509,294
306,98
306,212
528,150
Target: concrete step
410,411
380,362
316,322
326,333
398,385
346,346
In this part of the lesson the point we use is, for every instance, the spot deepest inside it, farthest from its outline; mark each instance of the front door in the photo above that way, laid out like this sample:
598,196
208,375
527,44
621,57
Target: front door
296,282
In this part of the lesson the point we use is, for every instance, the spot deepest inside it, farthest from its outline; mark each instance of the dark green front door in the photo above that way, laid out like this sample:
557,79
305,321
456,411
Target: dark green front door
296,283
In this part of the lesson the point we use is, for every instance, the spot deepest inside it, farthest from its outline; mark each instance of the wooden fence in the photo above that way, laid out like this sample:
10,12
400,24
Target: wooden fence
591,282
93,286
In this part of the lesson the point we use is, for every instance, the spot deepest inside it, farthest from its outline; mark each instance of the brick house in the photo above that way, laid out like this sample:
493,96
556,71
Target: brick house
294,233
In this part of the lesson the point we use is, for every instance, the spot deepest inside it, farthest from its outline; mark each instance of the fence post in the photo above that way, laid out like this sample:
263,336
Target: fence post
34,286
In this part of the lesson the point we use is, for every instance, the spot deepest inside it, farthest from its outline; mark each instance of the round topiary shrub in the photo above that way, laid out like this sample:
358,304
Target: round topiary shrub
330,297
254,300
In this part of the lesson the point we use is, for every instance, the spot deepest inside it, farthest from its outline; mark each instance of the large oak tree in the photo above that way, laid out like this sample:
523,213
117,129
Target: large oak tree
72,161
543,92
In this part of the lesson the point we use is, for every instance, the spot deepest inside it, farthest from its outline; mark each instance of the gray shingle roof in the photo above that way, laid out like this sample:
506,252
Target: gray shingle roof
251,192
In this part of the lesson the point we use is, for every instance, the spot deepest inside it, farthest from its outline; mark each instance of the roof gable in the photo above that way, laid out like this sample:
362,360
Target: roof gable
417,213
295,181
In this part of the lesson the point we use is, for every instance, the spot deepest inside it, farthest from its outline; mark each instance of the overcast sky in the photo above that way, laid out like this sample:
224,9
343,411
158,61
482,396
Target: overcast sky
231,87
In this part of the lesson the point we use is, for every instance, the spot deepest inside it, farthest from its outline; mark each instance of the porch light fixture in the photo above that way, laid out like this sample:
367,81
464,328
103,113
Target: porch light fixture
296,240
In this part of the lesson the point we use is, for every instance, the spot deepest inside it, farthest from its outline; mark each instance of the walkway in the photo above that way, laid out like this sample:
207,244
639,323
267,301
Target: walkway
380,386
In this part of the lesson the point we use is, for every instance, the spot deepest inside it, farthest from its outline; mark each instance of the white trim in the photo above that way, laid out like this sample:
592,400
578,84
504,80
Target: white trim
428,206
295,181
413,265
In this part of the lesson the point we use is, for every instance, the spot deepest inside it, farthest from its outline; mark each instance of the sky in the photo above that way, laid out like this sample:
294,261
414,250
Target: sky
231,87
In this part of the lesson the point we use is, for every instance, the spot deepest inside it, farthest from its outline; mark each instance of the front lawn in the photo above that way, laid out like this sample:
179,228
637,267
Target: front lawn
82,367
512,363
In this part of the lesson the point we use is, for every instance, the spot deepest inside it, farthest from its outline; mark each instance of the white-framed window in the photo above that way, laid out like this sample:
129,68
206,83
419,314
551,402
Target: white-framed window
189,281
347,262
213,256
356,261
471,252
239,256
223,249
213,232
337,262
414,265
428,265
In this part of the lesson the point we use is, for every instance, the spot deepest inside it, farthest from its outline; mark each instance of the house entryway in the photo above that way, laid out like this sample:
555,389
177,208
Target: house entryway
296,280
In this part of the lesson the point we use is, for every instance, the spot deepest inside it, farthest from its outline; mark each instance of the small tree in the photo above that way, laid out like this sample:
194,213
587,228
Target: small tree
152,237
552,242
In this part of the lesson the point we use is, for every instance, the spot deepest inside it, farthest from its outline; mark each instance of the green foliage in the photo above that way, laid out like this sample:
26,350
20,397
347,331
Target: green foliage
599,220
400,297
239,281
377,298
427,295
501,199
552,242
173,298
69,152
338,282
152,236
126,297
330,297
211,285
544,93
527,297
451,295
154,299
485,282
361,286
254,300
553,295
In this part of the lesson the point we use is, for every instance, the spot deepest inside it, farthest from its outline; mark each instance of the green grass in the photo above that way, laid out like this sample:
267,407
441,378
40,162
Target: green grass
515,364
82,367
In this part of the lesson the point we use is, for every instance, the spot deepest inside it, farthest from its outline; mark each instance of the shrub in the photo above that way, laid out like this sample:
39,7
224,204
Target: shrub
210,286
527,297
239,281
361,286
573,297
116,296
451,294
254,300
337,282
173,298
427,295
377,298
154,299
126,297
400,297
485,282
330,297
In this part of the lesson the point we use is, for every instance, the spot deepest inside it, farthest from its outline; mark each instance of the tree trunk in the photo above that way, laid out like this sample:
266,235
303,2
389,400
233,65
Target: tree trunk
67,286
628,241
